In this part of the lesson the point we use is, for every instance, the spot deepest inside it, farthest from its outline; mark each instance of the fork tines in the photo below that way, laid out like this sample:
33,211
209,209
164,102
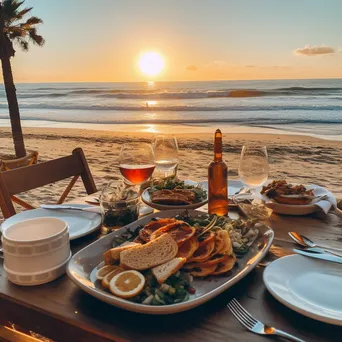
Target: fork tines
241,314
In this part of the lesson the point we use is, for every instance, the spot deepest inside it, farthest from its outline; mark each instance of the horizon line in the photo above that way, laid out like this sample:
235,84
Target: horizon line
214,80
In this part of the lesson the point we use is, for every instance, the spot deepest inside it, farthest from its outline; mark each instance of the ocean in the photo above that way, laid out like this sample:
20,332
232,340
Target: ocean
311,107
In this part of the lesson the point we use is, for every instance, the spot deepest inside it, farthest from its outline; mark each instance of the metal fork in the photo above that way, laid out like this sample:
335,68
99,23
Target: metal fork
254,325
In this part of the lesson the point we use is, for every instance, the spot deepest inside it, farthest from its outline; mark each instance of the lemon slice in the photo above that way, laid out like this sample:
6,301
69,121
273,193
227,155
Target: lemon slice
110,276
103,271
127,284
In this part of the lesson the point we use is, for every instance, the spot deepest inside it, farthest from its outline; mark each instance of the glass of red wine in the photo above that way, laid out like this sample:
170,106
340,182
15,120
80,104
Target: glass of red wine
136,163
136,166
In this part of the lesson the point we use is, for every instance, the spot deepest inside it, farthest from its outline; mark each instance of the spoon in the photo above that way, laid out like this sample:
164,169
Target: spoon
306,242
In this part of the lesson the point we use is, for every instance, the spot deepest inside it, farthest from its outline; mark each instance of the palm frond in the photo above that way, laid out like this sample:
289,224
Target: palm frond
16,29
36,38
10,8
22,43
16,34
34,21
21,14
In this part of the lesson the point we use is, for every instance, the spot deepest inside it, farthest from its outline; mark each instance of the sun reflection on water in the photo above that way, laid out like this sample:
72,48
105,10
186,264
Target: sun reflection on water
150,129
151,103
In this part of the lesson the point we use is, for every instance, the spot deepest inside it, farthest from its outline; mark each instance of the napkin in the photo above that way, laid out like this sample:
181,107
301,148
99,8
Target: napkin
326,204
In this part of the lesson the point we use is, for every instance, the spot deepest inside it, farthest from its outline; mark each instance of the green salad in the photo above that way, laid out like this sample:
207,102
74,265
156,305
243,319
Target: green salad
176,289
242,232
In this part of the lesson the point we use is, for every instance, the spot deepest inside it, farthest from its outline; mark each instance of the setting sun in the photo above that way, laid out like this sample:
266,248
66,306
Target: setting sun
151,63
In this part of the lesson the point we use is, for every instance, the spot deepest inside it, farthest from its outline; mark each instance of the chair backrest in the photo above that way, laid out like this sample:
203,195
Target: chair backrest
31,177
10,164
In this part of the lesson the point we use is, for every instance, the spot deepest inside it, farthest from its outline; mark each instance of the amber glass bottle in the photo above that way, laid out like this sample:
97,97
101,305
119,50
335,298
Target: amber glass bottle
217,180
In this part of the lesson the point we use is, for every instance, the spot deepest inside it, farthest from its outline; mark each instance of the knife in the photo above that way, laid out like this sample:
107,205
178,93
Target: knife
320,251
322,256
70,207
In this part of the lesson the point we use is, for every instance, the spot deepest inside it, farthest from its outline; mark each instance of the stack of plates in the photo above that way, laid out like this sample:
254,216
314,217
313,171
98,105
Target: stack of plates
36,251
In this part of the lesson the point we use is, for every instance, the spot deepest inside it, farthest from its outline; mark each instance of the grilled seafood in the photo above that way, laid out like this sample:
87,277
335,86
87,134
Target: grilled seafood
286,193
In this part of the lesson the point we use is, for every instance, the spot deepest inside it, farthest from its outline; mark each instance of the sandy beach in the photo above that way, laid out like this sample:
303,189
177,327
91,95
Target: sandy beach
292,157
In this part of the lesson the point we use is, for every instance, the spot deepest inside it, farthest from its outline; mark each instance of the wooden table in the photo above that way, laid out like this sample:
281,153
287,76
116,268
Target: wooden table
63,312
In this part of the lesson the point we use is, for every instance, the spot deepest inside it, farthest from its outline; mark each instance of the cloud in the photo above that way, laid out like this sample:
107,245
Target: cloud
191,67
250,66
308,50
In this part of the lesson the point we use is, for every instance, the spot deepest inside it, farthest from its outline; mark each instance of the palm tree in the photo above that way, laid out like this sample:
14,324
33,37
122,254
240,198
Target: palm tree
13,28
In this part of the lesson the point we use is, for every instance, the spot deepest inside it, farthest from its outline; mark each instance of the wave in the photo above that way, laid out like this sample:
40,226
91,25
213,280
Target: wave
150,94
260,121
34,96
181,108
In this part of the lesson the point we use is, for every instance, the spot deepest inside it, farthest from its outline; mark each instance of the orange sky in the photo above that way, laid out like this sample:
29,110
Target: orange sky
200,40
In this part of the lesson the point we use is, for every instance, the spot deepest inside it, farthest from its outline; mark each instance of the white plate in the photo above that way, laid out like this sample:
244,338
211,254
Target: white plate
146,198
234,185
310,287
84,264
296,210
80,223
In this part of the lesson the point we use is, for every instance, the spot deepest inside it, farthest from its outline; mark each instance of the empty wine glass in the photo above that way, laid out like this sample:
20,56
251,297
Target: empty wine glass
253,170
136,162
165,149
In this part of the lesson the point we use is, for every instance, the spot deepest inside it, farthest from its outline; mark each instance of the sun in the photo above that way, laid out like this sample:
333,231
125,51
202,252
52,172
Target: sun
151,63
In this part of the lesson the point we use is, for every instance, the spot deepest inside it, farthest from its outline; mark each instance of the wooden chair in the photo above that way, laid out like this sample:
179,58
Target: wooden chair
10,164
31,177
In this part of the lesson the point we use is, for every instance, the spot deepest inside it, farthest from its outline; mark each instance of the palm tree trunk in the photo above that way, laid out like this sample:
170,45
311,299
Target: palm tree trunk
13,107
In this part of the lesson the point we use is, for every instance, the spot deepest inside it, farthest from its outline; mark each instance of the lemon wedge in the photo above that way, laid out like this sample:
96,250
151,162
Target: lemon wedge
110,276
103,271
127,284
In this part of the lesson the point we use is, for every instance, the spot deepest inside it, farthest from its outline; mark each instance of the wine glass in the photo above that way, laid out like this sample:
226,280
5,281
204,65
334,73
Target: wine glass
165,149
253,169
136,162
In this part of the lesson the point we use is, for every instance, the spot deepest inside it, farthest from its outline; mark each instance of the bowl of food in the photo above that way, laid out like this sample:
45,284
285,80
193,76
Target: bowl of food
293,199
175,194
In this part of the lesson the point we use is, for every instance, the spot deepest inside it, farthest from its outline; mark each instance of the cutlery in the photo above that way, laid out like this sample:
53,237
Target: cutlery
254,325
239,191
94,200
327,257
70,207
306,242
320,251
320,197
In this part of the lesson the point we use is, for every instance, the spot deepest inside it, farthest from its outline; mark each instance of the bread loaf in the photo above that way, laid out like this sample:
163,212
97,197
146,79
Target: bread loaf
163,271
153,253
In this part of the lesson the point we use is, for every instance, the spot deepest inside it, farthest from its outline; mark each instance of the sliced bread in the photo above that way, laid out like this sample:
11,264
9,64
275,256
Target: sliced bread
153,253
113,255
163,271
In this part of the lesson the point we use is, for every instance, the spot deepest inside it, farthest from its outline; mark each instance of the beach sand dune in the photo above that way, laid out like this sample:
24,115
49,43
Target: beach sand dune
295,158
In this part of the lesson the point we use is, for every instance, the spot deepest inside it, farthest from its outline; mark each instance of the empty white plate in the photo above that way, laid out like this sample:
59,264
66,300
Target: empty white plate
310,287
80,223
